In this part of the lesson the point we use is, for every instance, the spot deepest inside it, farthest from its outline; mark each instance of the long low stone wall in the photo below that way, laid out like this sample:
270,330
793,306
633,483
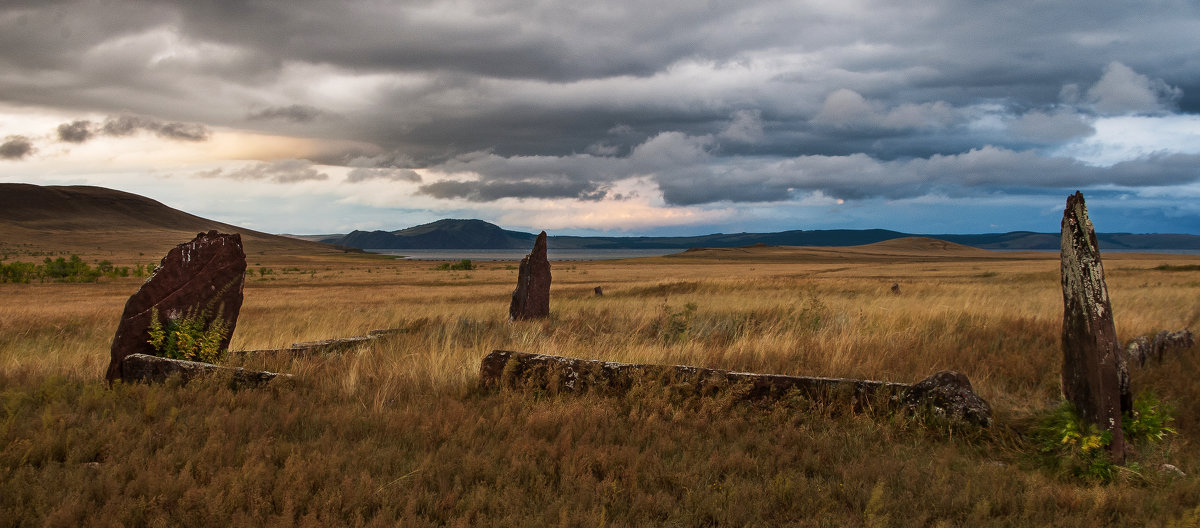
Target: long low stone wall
946,393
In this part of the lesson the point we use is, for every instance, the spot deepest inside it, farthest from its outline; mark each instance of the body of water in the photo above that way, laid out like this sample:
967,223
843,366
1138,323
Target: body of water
518,254
1104,250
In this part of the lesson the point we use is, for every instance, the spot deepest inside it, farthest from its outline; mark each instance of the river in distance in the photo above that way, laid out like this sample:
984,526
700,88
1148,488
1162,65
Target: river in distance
518,254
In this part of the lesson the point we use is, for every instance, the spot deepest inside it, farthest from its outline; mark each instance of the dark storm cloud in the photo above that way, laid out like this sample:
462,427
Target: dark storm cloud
494,190
711,101
689,172
126,125
16,148
75,131
296,113
83,130
556,41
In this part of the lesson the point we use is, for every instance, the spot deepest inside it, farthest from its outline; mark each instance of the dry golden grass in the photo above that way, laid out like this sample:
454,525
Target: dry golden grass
396,433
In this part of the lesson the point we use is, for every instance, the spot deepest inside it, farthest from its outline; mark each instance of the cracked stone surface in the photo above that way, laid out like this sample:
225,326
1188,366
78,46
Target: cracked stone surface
1095,376
207,272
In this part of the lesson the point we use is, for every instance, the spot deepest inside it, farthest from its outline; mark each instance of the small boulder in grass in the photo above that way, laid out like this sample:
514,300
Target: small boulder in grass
949,394
1141,349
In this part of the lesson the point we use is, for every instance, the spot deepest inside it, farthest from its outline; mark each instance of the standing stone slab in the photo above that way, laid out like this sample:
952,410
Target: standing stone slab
1095,378
531,299
206,273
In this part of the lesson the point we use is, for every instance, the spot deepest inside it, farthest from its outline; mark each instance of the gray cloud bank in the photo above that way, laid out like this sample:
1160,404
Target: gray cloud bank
753,101
295,113
278,171
126,125
15,148
688,172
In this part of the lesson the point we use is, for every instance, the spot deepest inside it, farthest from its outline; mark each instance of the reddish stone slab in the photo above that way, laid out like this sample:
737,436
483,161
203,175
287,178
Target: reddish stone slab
531,298
208,272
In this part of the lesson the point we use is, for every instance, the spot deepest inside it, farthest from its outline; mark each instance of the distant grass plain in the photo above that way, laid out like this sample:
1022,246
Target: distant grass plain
397,433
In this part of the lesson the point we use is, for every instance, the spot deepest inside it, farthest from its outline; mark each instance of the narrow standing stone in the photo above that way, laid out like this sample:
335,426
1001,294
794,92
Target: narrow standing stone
531,299
205,274
1095,378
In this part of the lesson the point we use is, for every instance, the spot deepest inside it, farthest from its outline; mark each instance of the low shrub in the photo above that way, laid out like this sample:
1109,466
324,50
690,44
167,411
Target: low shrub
462,265
1081,448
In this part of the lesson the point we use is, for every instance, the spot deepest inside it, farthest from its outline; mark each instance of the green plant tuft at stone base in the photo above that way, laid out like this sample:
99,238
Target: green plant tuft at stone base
1081,448
189,337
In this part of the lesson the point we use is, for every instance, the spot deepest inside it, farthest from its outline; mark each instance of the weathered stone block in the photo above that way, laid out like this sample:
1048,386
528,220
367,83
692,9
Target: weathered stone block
206,274
946,393
531,298
1140,349
153,369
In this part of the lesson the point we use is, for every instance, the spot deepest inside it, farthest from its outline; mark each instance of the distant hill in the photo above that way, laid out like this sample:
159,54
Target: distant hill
477,234
97,220
442,234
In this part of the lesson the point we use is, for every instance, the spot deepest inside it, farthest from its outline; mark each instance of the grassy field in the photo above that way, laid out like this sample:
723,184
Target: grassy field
396,433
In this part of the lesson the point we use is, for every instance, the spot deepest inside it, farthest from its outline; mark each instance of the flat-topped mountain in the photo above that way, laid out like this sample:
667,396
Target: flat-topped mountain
477,234
442,234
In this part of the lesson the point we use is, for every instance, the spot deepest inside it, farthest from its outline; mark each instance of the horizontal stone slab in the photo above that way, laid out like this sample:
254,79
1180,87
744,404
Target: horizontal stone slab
946,393
326,346
153,369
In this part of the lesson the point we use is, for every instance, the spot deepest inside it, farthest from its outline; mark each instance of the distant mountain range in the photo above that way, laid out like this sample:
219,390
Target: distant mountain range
477,234
90,218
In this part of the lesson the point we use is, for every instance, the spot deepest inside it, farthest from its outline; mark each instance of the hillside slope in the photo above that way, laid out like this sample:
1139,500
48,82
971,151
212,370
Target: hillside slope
88,220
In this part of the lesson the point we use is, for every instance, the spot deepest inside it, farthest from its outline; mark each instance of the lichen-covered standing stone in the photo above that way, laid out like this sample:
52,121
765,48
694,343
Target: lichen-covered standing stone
207,272
1095,377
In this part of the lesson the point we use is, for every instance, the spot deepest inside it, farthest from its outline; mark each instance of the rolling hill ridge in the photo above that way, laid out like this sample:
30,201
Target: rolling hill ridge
477,234
95,220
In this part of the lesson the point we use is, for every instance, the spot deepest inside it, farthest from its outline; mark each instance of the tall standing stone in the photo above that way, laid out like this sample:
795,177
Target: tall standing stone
1094,375
531,299
205,275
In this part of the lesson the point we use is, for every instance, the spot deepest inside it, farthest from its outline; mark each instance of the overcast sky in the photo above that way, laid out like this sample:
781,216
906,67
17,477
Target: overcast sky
323,116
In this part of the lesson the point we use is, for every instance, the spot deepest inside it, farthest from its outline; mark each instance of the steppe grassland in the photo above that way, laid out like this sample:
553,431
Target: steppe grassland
831,319
402,420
